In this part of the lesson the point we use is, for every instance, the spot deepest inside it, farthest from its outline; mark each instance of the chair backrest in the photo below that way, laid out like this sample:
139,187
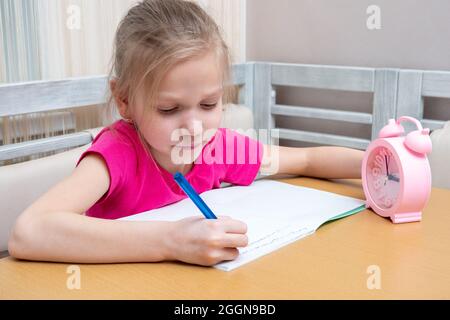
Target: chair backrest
440,157
414,86
395,92
381,82
22,183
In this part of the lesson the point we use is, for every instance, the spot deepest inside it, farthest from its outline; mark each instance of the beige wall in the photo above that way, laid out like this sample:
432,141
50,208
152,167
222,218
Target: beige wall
414,34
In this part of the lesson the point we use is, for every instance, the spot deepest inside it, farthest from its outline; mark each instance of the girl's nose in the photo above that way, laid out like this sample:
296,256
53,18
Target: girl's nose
194,126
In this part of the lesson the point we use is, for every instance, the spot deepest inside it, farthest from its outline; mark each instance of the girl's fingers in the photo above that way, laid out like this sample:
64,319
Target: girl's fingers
229,254
234,240
234,226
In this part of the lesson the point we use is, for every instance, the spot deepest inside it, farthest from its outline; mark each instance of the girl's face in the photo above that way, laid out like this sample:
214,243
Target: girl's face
187,114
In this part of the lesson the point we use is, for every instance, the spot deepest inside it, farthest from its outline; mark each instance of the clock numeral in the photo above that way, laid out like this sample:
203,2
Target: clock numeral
388,202
379,161
376,171
381,174
384,153
380,158
378,183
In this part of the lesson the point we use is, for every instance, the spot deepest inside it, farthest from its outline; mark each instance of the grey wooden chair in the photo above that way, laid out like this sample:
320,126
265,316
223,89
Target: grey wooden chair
414,86
396,92
381,82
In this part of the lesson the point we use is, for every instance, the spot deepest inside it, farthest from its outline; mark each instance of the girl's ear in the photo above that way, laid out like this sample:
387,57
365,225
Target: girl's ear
122,104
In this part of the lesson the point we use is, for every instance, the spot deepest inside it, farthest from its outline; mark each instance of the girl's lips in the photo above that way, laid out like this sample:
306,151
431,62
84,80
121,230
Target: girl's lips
195,143
189,147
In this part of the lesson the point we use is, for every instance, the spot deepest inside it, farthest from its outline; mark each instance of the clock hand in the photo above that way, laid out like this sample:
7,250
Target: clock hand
387,167
394,178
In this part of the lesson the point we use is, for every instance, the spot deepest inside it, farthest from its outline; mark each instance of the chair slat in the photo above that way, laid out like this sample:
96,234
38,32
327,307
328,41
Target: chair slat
319,113
28,148
40,96
323,138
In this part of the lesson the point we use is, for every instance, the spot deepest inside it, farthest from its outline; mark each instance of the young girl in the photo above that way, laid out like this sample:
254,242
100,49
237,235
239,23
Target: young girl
168,80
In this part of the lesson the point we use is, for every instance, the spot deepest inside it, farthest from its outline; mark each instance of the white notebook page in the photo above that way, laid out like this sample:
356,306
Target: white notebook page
276,214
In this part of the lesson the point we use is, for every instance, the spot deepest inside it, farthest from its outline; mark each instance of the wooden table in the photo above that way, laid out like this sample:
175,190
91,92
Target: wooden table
413,260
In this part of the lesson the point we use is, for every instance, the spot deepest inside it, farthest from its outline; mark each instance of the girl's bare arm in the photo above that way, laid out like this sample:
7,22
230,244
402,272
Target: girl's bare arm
320,162
54,228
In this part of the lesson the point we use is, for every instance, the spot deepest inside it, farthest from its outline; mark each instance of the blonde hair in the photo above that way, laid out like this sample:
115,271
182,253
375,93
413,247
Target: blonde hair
153,37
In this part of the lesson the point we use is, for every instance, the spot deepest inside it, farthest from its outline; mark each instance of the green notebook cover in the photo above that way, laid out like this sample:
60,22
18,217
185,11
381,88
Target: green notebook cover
348,213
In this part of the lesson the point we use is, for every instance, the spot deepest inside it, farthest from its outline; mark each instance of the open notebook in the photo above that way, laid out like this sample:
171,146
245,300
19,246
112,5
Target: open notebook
276,214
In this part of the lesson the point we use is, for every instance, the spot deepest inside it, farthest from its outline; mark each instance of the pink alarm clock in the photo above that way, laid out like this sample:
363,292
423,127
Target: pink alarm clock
396,173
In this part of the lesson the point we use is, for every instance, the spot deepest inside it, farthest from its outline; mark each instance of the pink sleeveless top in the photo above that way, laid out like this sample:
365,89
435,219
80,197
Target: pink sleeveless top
138,183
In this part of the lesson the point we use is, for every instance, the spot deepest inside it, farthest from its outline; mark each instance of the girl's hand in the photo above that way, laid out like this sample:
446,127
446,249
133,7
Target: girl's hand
207,241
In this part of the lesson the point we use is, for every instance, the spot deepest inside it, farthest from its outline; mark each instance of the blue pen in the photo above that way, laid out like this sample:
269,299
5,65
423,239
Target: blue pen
190,192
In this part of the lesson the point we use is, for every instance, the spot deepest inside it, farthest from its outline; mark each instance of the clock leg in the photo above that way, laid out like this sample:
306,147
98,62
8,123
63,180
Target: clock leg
406,217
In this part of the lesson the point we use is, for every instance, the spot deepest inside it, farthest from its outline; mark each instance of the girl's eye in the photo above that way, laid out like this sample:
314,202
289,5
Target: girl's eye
168,111
209,106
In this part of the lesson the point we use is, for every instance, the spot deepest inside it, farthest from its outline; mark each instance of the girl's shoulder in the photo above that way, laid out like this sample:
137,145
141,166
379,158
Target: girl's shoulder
120,134
116,144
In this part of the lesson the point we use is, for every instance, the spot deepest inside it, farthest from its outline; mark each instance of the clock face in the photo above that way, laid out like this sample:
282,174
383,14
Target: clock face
383,177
